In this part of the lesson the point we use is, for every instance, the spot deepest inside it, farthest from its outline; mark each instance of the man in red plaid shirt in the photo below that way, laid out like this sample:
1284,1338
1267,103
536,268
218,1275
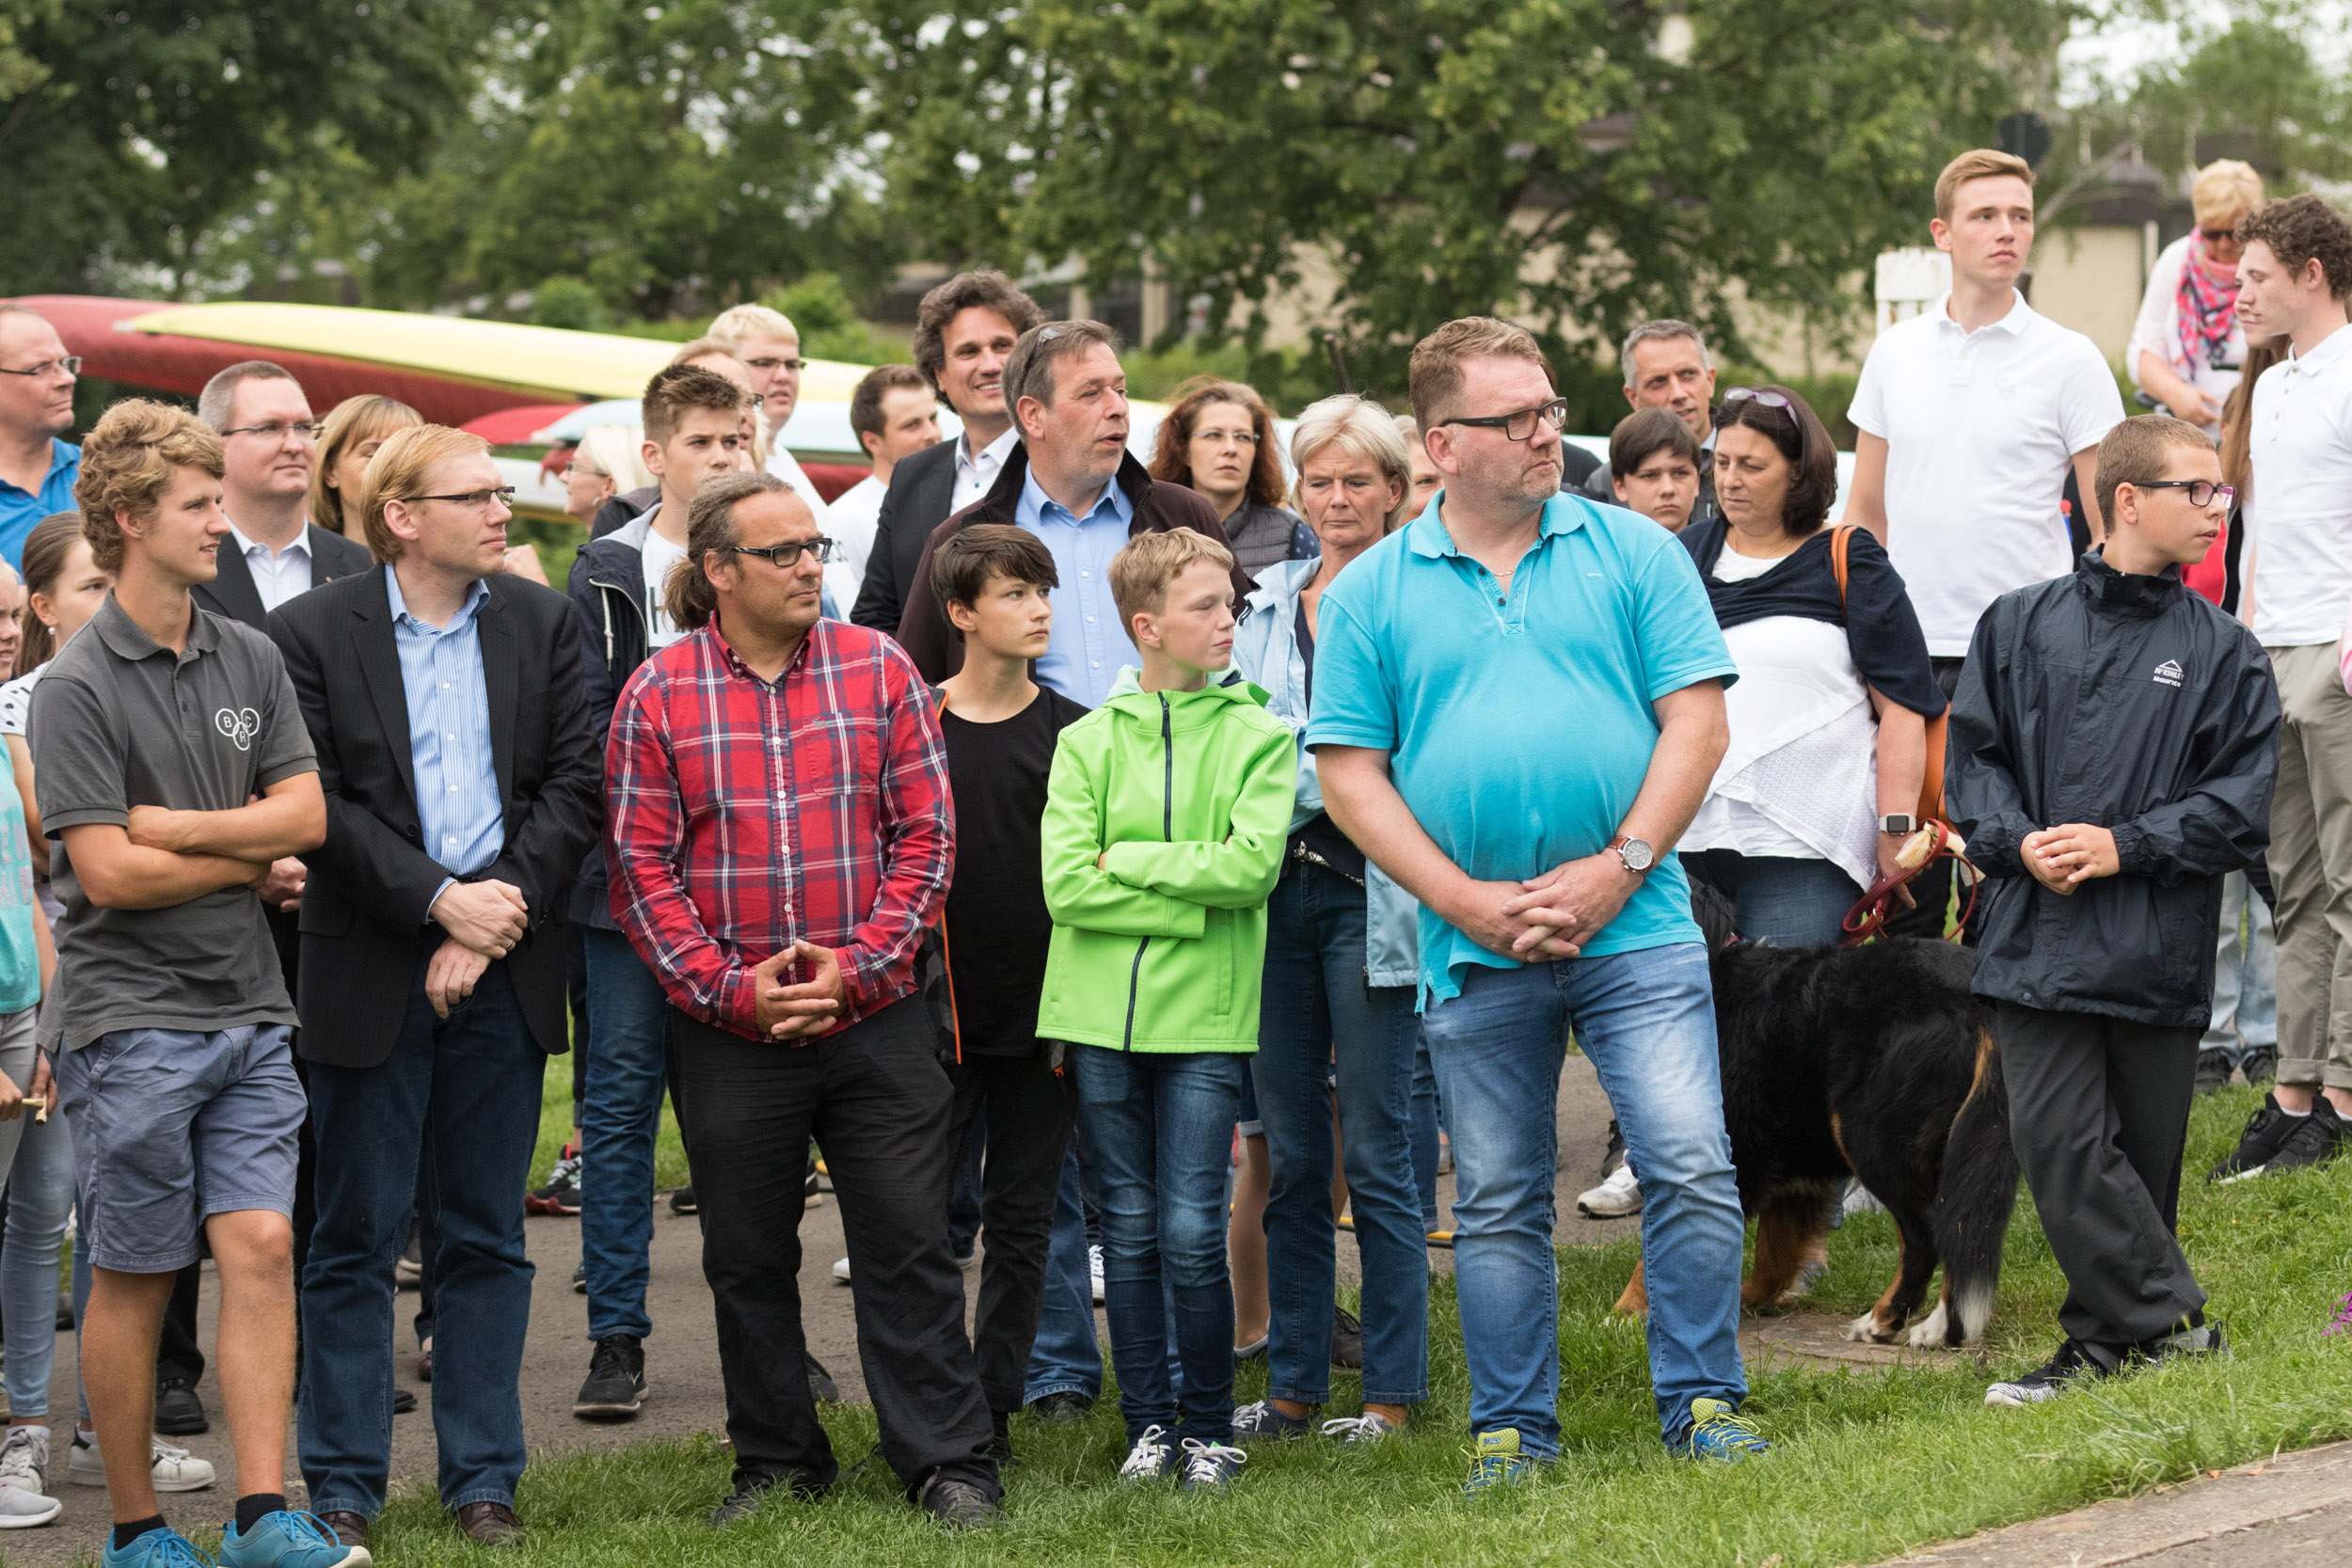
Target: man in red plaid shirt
781,834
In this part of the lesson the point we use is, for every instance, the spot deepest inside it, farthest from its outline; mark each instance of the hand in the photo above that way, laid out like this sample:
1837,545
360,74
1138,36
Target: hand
2077,851
1890,845
11,1099
452,975
488,917
522,561
44,1085
2030,852
1576,898
788,1012
1100,858
2203,409
1482,911
158,828
282,889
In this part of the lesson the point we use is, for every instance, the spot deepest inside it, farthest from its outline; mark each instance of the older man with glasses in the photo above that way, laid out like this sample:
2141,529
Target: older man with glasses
37,468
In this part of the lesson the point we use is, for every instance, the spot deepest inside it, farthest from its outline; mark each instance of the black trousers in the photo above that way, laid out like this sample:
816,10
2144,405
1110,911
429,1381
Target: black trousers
876,1096
1027,1110
2098,1112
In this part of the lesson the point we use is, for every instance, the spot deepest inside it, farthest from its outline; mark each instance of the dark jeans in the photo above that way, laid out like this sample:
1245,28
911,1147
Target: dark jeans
620,1120
877,1099
1780,899
2098,1112
1027,1110
459,1099
1161,1127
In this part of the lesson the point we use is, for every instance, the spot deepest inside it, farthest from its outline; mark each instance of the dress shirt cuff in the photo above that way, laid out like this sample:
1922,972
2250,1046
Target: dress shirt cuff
447,883
735,1001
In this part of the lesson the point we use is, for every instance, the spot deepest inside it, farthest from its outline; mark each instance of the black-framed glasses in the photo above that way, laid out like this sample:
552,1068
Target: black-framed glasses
2202,493
504,494
767,364
71,364
307,430
1520,424
789,551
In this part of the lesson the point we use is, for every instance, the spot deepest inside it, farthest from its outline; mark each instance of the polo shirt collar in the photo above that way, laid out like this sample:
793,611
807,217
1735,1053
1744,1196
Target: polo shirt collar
474,596
2331,348
63,456
127,639
1426,536
2020,315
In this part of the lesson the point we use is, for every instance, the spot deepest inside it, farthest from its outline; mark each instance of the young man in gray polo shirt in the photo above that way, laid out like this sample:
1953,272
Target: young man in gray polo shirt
173,768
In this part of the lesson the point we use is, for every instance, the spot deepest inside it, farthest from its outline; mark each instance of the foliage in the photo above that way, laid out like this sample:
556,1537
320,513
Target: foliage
571,303
821,306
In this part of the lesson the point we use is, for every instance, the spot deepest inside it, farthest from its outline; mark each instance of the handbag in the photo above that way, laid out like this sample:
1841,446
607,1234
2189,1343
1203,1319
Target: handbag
1931,782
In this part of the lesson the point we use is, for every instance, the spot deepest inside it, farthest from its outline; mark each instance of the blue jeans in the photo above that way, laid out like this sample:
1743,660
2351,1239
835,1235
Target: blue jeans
1780,899
1316,1003
1426,1120
40,1195
1065,1357
628,1017
1160,1128
2244,975
461,1097
1648,1022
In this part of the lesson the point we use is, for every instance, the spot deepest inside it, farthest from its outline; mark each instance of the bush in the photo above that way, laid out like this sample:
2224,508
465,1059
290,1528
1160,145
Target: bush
569,303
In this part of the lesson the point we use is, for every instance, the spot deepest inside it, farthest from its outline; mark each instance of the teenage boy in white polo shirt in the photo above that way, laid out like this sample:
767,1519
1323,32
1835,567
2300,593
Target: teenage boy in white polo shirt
2294,276
1969,416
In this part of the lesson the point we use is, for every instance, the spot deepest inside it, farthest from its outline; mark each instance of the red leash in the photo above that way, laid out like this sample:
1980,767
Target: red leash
1933,842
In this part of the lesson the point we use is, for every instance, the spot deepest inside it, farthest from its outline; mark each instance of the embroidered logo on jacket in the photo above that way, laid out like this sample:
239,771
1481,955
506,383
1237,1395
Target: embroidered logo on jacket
2168,672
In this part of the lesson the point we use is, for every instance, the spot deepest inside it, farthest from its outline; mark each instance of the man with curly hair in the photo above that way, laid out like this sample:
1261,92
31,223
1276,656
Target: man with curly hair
2291,283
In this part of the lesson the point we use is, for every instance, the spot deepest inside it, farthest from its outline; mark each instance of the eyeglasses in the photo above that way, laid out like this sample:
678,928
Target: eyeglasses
301,430
1520,424
2214,236
503,495
71,364
1244,439
789,551
571,468
765,364
2202,493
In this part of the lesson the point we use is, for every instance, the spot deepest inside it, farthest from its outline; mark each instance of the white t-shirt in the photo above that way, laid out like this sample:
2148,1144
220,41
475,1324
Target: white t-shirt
786,466
1731,566
855,514
2299,515
659,557
1980,429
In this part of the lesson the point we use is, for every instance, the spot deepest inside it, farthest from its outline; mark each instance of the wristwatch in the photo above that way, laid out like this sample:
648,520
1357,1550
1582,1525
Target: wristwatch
1899,822
1636,854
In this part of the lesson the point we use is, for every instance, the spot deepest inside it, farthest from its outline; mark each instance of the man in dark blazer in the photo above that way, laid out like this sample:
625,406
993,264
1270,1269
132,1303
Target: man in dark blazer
457,754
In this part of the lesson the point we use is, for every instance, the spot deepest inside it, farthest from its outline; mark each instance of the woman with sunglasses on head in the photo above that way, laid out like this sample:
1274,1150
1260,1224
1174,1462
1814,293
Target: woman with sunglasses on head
1829,716
2187,350
1218,440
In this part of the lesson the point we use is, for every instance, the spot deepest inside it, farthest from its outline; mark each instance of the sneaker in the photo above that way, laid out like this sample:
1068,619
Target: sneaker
1151,1457
408,1269
1355,1431
743,1502
1614,1199
2189,1339
1062,1404
1497,1463
1094,1272
179,1413
616,1380
841,1272
1211,1466
812,1195
24,1455
957,1503
2264,1136
1347,1341
682,1201
1254,1351
821,1387
172,1469
1720,1432
288,1540
1260,1422
2261,1065
1440,1237
561,1195
579,1279
157,1548
2213,1068
2074,1360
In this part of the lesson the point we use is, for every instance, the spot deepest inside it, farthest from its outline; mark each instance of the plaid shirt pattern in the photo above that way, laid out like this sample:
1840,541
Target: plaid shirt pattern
742,816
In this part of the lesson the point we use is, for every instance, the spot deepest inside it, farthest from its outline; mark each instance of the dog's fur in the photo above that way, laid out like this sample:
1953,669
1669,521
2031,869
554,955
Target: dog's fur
1873,1061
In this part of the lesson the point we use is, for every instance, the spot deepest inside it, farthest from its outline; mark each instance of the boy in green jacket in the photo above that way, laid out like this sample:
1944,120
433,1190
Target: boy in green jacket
1166,816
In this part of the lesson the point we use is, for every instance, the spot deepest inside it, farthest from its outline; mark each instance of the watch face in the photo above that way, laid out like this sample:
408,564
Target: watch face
1636,854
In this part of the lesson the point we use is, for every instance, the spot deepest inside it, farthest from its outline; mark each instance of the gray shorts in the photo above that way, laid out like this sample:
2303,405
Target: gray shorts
171,1127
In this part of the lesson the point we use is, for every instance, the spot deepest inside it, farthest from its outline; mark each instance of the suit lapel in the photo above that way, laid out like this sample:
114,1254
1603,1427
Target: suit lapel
379,662
331,557
233,584
496,634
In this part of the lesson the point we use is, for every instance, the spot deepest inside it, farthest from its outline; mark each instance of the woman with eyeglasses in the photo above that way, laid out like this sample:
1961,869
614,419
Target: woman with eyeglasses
1218,440
1829,715
2187,350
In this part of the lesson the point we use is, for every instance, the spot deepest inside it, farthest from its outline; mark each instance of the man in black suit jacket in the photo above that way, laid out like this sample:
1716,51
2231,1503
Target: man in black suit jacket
458,752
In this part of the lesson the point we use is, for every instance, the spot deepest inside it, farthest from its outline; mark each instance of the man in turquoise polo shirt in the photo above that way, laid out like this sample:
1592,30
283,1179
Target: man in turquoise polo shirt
36,470
1519,704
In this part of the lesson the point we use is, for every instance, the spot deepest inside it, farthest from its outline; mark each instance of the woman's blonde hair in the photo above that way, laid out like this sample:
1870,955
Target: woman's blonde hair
350,423
398,471
2225,191
1368,431
615,450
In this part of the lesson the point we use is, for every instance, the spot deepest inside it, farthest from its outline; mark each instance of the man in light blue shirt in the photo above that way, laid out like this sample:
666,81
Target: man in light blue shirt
1518,708
449,731
1090,646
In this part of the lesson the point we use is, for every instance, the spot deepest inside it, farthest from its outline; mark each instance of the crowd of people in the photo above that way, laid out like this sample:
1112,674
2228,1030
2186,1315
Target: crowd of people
1033,835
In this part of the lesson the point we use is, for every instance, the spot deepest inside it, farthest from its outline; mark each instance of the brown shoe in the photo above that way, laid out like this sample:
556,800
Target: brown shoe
490,1523
349,1528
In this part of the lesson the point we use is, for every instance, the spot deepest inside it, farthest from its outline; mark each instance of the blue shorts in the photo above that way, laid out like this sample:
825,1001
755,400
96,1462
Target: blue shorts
171,1127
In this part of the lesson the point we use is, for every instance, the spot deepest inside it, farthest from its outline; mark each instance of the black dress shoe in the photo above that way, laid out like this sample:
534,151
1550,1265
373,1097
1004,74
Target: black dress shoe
349,1528
1064,1406
490,1525
682,1201
178,1412
821,1387
403,1401
959,1504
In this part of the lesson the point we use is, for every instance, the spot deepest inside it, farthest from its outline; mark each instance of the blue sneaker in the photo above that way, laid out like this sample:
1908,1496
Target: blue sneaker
1497,1463
157,1548
288,1540
1719,1432
1210,1466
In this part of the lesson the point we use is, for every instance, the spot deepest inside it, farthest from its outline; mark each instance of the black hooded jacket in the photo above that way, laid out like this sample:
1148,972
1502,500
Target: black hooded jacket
2126,703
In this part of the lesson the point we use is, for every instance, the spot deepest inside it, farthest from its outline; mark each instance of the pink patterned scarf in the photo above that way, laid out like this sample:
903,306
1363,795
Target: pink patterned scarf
2207,305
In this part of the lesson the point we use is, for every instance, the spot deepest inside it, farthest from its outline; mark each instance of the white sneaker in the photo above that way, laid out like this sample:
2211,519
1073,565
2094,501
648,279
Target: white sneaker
1152,1458
175,1469
1614,1199
24,1454
1094,1267
841,1272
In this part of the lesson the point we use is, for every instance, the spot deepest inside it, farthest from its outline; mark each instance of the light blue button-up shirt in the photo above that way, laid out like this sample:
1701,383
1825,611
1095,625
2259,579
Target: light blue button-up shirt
1091,643
449,732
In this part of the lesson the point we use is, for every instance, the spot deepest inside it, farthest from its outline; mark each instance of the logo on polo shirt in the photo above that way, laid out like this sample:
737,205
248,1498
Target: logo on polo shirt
240,724
2168,672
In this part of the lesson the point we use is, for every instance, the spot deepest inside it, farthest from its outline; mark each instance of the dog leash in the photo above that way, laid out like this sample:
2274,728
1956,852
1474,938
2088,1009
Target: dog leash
1933,842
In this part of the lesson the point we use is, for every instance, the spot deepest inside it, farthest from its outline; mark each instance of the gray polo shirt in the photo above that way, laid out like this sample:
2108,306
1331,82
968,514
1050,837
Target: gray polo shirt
117,721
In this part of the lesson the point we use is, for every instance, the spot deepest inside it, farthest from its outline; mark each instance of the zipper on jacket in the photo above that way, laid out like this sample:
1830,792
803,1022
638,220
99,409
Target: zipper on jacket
605,592
1168,835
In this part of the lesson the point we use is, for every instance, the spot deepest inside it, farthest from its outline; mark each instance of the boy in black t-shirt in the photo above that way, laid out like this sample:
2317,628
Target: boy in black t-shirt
1001,728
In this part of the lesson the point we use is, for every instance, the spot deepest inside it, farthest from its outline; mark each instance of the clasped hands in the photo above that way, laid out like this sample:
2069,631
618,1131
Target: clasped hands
1551,916
484,921
802,1011
2063,858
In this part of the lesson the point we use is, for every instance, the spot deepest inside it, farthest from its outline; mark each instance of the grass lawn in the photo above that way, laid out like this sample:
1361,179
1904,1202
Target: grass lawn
1867,1463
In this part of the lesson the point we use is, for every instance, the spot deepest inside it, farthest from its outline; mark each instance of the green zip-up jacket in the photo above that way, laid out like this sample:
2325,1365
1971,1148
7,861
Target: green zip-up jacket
1163,946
